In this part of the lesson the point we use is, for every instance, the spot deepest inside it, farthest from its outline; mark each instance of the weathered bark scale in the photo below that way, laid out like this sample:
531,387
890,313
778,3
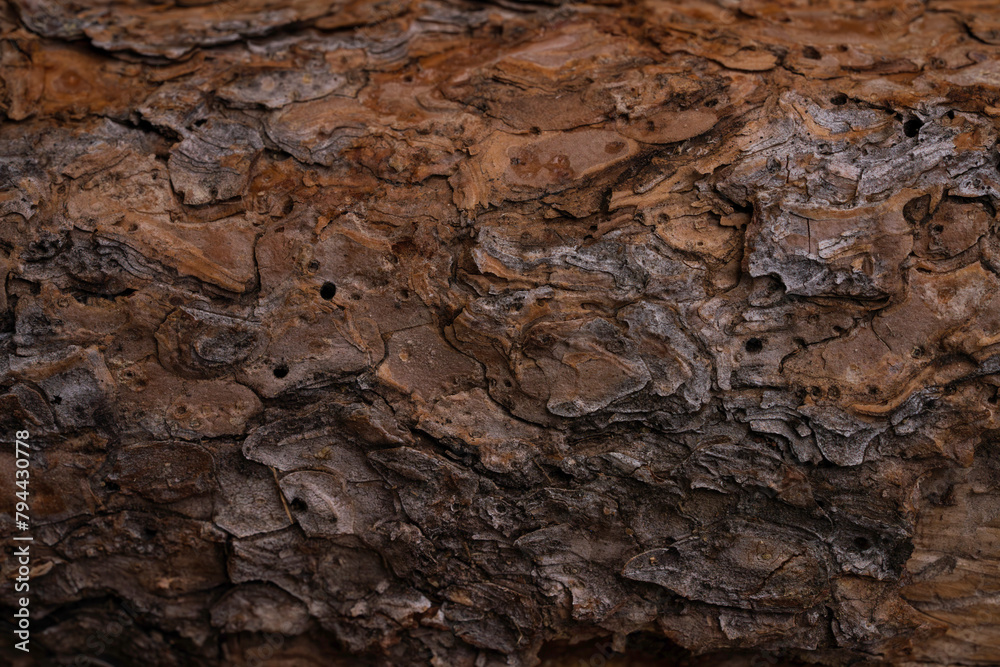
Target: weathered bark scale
440,332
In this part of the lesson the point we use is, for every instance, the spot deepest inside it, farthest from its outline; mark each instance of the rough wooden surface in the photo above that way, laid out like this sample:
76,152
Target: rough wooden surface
436,332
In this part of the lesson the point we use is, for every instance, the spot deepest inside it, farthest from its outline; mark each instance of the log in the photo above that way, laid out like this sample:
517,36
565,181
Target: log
501,333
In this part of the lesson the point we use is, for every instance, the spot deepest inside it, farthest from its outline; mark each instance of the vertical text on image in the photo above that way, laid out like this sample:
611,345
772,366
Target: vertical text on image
22,547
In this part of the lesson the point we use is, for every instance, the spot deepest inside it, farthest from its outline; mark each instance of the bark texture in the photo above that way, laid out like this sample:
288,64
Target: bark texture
434,331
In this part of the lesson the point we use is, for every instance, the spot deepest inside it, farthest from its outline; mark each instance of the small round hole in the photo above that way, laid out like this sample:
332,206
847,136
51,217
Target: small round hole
754,345
911,128
862,543
281,371
839,99
298,505
328,291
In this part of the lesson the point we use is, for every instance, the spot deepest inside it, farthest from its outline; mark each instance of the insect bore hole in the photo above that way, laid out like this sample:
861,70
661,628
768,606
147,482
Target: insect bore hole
911,128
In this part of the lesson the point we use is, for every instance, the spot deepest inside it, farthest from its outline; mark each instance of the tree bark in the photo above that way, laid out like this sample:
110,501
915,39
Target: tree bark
452,333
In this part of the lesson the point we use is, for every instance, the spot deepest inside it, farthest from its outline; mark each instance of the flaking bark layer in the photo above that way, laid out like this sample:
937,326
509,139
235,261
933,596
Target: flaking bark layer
432,332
